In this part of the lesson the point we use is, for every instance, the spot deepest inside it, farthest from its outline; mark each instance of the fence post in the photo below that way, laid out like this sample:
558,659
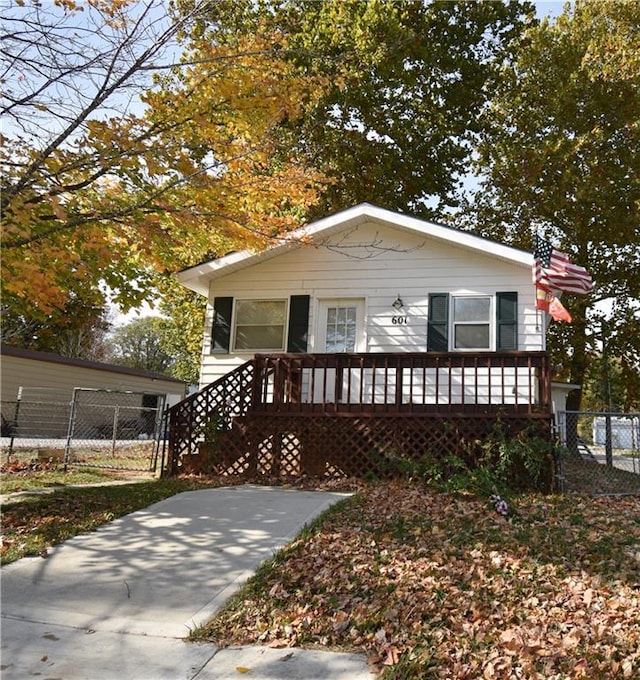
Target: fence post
70,429
561,426
559,463
114,430
608,440
14,424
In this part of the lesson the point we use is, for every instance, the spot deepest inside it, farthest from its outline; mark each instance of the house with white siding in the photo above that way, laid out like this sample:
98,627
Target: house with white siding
366,313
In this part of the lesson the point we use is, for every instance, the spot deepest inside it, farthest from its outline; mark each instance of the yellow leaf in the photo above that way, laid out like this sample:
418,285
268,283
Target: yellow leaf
242,669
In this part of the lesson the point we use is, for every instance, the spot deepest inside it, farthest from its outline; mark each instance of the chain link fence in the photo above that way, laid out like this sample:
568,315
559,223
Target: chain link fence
91,427
600,452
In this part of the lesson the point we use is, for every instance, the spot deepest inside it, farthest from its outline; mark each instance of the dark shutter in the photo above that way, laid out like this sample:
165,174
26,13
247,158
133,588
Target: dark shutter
297,337
507,321
221,331
438,327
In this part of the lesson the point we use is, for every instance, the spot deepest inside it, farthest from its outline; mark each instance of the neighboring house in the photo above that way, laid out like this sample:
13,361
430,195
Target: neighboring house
364,313
50,380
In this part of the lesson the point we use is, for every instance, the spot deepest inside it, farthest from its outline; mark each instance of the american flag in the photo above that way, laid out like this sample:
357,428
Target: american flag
553,270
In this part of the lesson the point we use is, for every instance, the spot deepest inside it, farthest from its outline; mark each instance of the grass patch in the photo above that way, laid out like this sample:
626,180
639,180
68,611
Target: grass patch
39,476
34,523
439,585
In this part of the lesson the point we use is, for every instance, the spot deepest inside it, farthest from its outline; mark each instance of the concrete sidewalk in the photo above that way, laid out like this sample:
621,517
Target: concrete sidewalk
116,604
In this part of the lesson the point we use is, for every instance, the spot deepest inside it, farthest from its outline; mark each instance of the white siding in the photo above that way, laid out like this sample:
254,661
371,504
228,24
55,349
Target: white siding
376,263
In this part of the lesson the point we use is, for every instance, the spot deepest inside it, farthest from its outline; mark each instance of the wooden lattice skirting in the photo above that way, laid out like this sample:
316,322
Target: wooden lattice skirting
334,446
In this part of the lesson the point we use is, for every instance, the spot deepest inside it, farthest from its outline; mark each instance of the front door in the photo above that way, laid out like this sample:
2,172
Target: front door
340,330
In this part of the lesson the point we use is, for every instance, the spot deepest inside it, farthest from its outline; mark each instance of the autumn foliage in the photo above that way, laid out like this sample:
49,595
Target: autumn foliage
193,171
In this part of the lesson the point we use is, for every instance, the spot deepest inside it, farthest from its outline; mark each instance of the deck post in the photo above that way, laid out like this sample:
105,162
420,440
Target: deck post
256,384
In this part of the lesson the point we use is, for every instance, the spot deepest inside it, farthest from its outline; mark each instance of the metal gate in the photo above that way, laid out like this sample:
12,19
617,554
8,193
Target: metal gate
600,452
113,430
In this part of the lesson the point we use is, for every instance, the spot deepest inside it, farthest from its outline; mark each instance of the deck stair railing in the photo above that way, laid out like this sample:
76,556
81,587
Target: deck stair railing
221,401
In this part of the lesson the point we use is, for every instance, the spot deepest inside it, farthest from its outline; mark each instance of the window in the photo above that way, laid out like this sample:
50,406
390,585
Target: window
471,323
259,325
341,329
466,322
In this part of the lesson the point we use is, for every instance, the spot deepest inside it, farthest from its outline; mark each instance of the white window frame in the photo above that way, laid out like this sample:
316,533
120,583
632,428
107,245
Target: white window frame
253,350
491,322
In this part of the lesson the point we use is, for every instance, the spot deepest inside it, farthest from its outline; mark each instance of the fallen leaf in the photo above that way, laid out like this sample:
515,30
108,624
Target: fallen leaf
276,644
242,669
511,639
588,596
381,635
571,640
340,622
392,657
489,672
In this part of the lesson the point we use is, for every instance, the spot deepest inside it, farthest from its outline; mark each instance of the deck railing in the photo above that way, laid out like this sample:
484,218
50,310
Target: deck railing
279,390
402,383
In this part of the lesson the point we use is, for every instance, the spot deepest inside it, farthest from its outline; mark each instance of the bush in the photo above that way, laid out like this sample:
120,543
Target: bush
502,461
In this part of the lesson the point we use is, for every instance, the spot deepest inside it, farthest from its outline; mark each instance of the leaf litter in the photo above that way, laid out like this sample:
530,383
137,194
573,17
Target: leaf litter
441,585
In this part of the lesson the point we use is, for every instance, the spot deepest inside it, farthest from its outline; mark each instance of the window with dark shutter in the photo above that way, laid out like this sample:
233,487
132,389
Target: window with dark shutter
221,330
297,338
507,321
438,326
259,325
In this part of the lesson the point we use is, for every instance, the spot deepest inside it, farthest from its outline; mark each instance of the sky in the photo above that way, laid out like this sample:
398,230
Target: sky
548,8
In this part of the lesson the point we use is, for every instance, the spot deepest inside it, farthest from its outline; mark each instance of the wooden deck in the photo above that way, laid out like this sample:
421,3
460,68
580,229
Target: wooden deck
345,414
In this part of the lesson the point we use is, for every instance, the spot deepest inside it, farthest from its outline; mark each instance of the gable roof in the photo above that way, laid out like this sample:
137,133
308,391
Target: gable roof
197,278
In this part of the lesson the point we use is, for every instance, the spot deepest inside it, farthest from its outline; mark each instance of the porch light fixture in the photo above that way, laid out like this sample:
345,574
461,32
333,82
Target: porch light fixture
397,303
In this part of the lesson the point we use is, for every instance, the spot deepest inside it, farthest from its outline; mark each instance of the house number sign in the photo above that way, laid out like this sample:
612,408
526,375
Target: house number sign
399,320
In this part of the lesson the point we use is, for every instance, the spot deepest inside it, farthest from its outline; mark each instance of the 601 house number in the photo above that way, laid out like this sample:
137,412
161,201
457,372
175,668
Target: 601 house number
399,320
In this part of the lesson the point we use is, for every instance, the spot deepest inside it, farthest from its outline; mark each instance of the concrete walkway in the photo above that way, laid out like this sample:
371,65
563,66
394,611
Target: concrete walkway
116,604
